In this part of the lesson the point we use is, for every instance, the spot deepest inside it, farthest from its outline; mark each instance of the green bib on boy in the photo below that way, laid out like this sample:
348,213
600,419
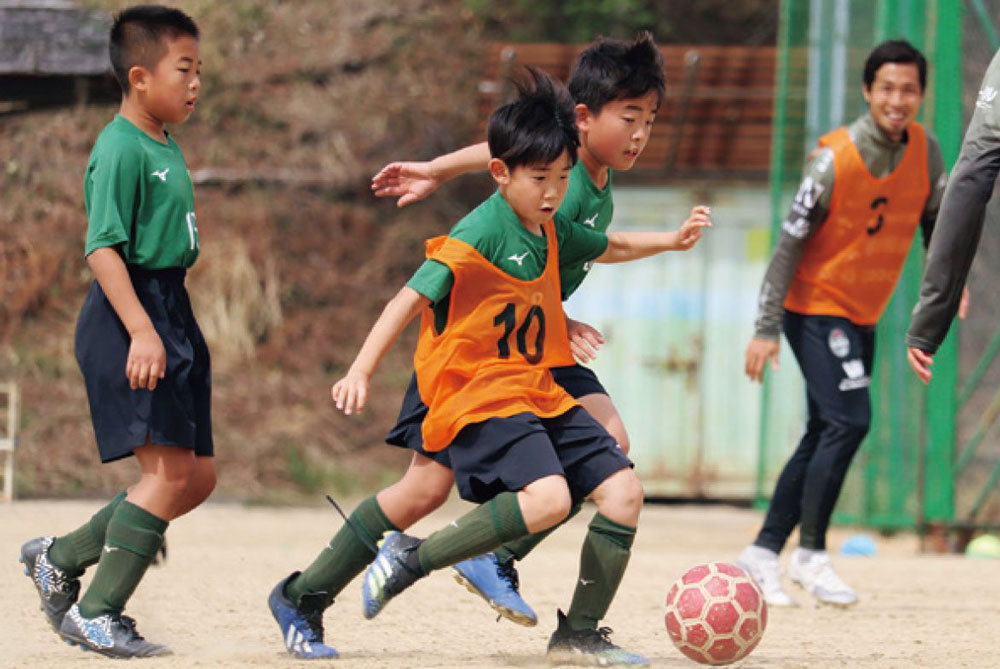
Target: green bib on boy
139,196
589,206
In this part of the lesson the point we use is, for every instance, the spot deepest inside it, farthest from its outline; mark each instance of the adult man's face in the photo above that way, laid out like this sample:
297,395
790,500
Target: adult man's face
894,97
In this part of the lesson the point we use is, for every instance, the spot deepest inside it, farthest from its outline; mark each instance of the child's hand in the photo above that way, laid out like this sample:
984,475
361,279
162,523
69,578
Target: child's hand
147,360
411,182
690,231
351,392
584,340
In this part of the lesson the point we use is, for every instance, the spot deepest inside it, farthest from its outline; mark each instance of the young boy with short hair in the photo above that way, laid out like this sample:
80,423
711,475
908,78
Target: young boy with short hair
492,328
618,87
143,358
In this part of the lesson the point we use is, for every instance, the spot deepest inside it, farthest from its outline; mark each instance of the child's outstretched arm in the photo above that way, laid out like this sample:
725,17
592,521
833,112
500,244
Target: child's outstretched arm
625,246
413,181
147,359
351,392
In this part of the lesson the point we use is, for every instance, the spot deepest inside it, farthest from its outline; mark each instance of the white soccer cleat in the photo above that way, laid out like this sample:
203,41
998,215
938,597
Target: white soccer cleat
762,564
813,570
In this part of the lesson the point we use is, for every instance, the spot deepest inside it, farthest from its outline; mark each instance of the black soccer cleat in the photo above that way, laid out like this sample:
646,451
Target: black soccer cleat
57,590
589,647
110,635
395,569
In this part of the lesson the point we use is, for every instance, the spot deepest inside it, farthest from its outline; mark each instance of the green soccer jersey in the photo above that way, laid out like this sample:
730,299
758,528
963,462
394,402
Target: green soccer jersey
589,206
494,230
139,196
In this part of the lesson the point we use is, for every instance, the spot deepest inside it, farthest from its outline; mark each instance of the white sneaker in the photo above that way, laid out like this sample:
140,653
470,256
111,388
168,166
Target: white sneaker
762,564
813,570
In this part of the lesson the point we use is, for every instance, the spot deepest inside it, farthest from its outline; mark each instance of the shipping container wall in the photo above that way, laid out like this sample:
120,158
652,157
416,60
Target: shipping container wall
676,327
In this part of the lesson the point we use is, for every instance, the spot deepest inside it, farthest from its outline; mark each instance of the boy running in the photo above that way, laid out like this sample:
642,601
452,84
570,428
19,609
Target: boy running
144,361
492,327
618,87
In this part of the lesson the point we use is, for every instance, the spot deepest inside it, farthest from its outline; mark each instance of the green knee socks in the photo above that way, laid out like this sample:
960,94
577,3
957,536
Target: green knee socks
132,539
605,555
81,548
345,557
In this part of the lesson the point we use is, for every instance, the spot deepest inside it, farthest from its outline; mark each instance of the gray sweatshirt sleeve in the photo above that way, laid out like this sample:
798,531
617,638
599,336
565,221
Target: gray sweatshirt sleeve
938,178
960,220
807,213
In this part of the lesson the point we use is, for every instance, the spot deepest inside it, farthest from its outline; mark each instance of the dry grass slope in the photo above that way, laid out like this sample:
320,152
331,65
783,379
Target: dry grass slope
291,276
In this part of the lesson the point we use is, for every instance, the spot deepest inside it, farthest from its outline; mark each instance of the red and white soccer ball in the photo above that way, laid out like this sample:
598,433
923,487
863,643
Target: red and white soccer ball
716,613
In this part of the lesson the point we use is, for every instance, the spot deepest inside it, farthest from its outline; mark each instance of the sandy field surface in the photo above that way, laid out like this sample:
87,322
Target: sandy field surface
208,601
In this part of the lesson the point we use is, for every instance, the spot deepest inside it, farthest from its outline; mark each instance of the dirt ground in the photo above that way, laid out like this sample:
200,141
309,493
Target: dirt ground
208,601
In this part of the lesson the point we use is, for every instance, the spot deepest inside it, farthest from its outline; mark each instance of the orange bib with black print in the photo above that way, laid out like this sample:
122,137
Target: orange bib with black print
492,360
851,265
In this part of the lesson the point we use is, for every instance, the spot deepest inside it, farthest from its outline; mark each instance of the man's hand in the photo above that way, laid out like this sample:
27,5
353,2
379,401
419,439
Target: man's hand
351,393
921,362
963,304
410,182
690,231
584,340
759,351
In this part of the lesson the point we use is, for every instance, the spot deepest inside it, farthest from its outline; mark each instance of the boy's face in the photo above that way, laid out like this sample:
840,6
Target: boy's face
619,132
170,91
534,192
894,97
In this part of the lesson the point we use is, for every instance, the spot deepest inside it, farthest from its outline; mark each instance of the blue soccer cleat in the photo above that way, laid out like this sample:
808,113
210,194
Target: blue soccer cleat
589,646
57,590
301,626
109,634
497,583
394,569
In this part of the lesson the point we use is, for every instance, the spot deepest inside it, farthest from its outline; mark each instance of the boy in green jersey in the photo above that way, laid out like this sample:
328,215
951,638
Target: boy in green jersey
617,87
143,358
520,446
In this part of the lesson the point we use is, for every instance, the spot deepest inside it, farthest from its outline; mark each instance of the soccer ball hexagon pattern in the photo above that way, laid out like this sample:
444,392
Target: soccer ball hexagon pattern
716,613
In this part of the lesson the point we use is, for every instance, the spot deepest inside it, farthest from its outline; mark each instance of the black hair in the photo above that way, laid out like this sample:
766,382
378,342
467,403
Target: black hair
894,51
614,69
537,127
137,37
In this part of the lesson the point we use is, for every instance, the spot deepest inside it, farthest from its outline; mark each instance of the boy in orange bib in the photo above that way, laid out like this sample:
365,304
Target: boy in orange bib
491,329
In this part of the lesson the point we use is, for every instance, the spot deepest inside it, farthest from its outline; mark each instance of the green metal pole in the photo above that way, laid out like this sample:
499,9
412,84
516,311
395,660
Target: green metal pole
939,484
777,176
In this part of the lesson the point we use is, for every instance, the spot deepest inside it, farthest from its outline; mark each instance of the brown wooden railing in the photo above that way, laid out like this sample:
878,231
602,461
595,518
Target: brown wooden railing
716,117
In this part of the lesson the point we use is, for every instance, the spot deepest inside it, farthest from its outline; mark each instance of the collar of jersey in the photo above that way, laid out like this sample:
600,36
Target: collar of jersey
579,173
866,126
131,128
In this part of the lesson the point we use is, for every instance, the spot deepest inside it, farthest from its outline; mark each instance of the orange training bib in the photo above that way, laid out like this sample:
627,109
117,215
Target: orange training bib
502,335
851,265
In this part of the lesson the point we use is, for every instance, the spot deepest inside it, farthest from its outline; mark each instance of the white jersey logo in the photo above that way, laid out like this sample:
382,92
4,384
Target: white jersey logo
162,174
986,97
519,259
592,220
192,226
